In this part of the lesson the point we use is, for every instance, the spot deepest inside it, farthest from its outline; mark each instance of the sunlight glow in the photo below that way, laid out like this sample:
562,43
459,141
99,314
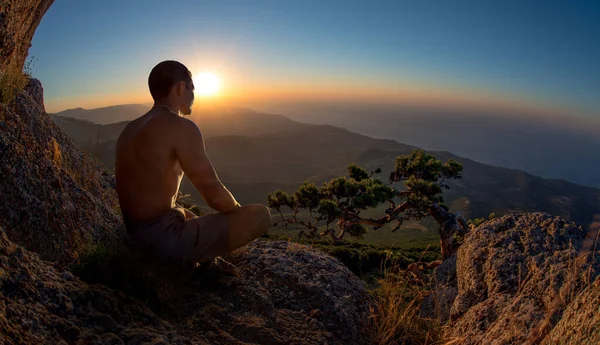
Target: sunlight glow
207,84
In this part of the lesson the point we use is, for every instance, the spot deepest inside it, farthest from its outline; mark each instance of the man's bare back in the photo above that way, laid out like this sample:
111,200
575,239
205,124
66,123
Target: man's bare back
147,165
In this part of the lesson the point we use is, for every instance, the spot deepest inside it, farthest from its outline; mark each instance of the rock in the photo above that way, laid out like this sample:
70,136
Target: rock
18,21
56,200
444,289
580,322
516,275
196,307
66,275
286,269
34,296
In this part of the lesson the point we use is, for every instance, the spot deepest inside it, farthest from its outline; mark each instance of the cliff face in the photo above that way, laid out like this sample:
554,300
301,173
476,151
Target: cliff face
55,199
18,21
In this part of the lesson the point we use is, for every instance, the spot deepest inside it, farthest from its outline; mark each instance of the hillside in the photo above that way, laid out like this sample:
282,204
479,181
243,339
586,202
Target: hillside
105,124
502,137
106,115
86,133
258,163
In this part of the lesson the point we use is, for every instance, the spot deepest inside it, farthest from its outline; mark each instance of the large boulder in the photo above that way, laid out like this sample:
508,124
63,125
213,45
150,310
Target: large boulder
516,276
56,199
298,279
41,305
285,294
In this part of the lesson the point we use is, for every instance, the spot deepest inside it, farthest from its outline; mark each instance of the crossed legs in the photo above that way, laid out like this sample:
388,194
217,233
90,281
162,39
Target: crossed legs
247,223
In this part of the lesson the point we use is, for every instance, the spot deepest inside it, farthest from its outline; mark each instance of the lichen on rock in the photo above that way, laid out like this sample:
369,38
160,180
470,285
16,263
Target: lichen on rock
286,294
515,277
55,198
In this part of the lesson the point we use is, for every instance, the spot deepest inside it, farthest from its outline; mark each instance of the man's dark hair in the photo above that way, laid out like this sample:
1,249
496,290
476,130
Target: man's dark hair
164,75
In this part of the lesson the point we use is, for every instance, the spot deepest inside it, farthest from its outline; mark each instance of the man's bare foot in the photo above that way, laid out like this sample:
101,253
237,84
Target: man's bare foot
221,265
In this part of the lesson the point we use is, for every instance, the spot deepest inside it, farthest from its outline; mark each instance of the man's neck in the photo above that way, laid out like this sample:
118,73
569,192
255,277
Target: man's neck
167,107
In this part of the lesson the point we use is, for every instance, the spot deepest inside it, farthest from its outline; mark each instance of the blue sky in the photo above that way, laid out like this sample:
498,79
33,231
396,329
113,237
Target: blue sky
543,53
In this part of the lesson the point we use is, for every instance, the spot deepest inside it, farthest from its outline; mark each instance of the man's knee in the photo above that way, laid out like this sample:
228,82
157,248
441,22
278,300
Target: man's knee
263,214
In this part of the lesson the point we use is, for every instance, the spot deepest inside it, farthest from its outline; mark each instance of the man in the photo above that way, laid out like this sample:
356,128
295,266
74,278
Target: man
152,154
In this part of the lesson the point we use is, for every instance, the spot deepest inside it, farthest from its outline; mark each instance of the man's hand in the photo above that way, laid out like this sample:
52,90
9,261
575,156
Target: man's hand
237,205
189,214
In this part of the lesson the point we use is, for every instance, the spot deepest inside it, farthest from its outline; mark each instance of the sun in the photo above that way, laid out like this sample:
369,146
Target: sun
207,84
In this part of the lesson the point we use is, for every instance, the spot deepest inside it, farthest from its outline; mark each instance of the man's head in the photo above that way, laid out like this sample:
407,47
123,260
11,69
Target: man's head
171,82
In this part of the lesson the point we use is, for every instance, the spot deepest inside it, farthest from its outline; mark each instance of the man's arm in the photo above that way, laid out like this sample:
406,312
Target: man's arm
194,161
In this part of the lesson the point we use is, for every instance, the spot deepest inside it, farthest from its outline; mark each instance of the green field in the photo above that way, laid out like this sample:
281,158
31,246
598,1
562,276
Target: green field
412,235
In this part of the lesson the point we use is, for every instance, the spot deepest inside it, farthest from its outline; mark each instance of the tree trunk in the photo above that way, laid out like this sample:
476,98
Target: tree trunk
449,225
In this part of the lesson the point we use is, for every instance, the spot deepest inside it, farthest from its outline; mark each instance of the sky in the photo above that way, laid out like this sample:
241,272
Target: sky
541,55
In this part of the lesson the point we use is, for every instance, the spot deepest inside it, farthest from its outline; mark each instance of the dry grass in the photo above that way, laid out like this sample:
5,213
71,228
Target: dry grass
55,153
575,281
12,81
395,314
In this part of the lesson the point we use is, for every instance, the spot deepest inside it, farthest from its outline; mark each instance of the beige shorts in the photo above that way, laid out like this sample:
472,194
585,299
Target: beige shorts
196,239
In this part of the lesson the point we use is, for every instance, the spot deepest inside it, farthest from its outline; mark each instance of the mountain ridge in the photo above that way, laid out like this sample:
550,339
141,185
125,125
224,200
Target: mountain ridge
286,154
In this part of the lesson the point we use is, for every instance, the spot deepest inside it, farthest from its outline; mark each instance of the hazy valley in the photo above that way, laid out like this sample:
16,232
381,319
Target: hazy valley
256,153
552,147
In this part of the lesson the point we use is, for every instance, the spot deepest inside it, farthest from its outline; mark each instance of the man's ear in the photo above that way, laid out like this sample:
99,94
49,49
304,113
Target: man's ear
180,88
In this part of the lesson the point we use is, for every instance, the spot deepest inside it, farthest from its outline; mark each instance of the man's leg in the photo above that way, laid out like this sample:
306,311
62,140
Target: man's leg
247,223
203,238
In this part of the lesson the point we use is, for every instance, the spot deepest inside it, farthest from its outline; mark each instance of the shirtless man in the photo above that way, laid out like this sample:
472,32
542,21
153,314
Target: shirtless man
152,154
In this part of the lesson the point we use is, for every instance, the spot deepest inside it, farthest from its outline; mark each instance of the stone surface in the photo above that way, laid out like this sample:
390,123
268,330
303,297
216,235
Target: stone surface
39,306
286,294
437,304
55,199
18,21
515,277
300,279
580,322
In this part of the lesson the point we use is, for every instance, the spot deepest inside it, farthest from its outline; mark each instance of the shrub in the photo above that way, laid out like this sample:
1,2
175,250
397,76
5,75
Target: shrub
116,267
13,80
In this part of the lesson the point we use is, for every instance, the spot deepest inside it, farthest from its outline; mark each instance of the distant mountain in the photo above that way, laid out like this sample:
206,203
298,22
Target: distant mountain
105,124
225,120
86,133
257,163
549,146
107,115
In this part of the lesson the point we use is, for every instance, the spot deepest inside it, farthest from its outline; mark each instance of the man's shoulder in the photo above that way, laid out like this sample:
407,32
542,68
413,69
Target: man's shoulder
184,122
186,126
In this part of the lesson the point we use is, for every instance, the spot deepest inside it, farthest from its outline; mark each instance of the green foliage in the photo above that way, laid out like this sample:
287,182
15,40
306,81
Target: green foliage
367,259
117,268
478,221
344,199
424,178
357,173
